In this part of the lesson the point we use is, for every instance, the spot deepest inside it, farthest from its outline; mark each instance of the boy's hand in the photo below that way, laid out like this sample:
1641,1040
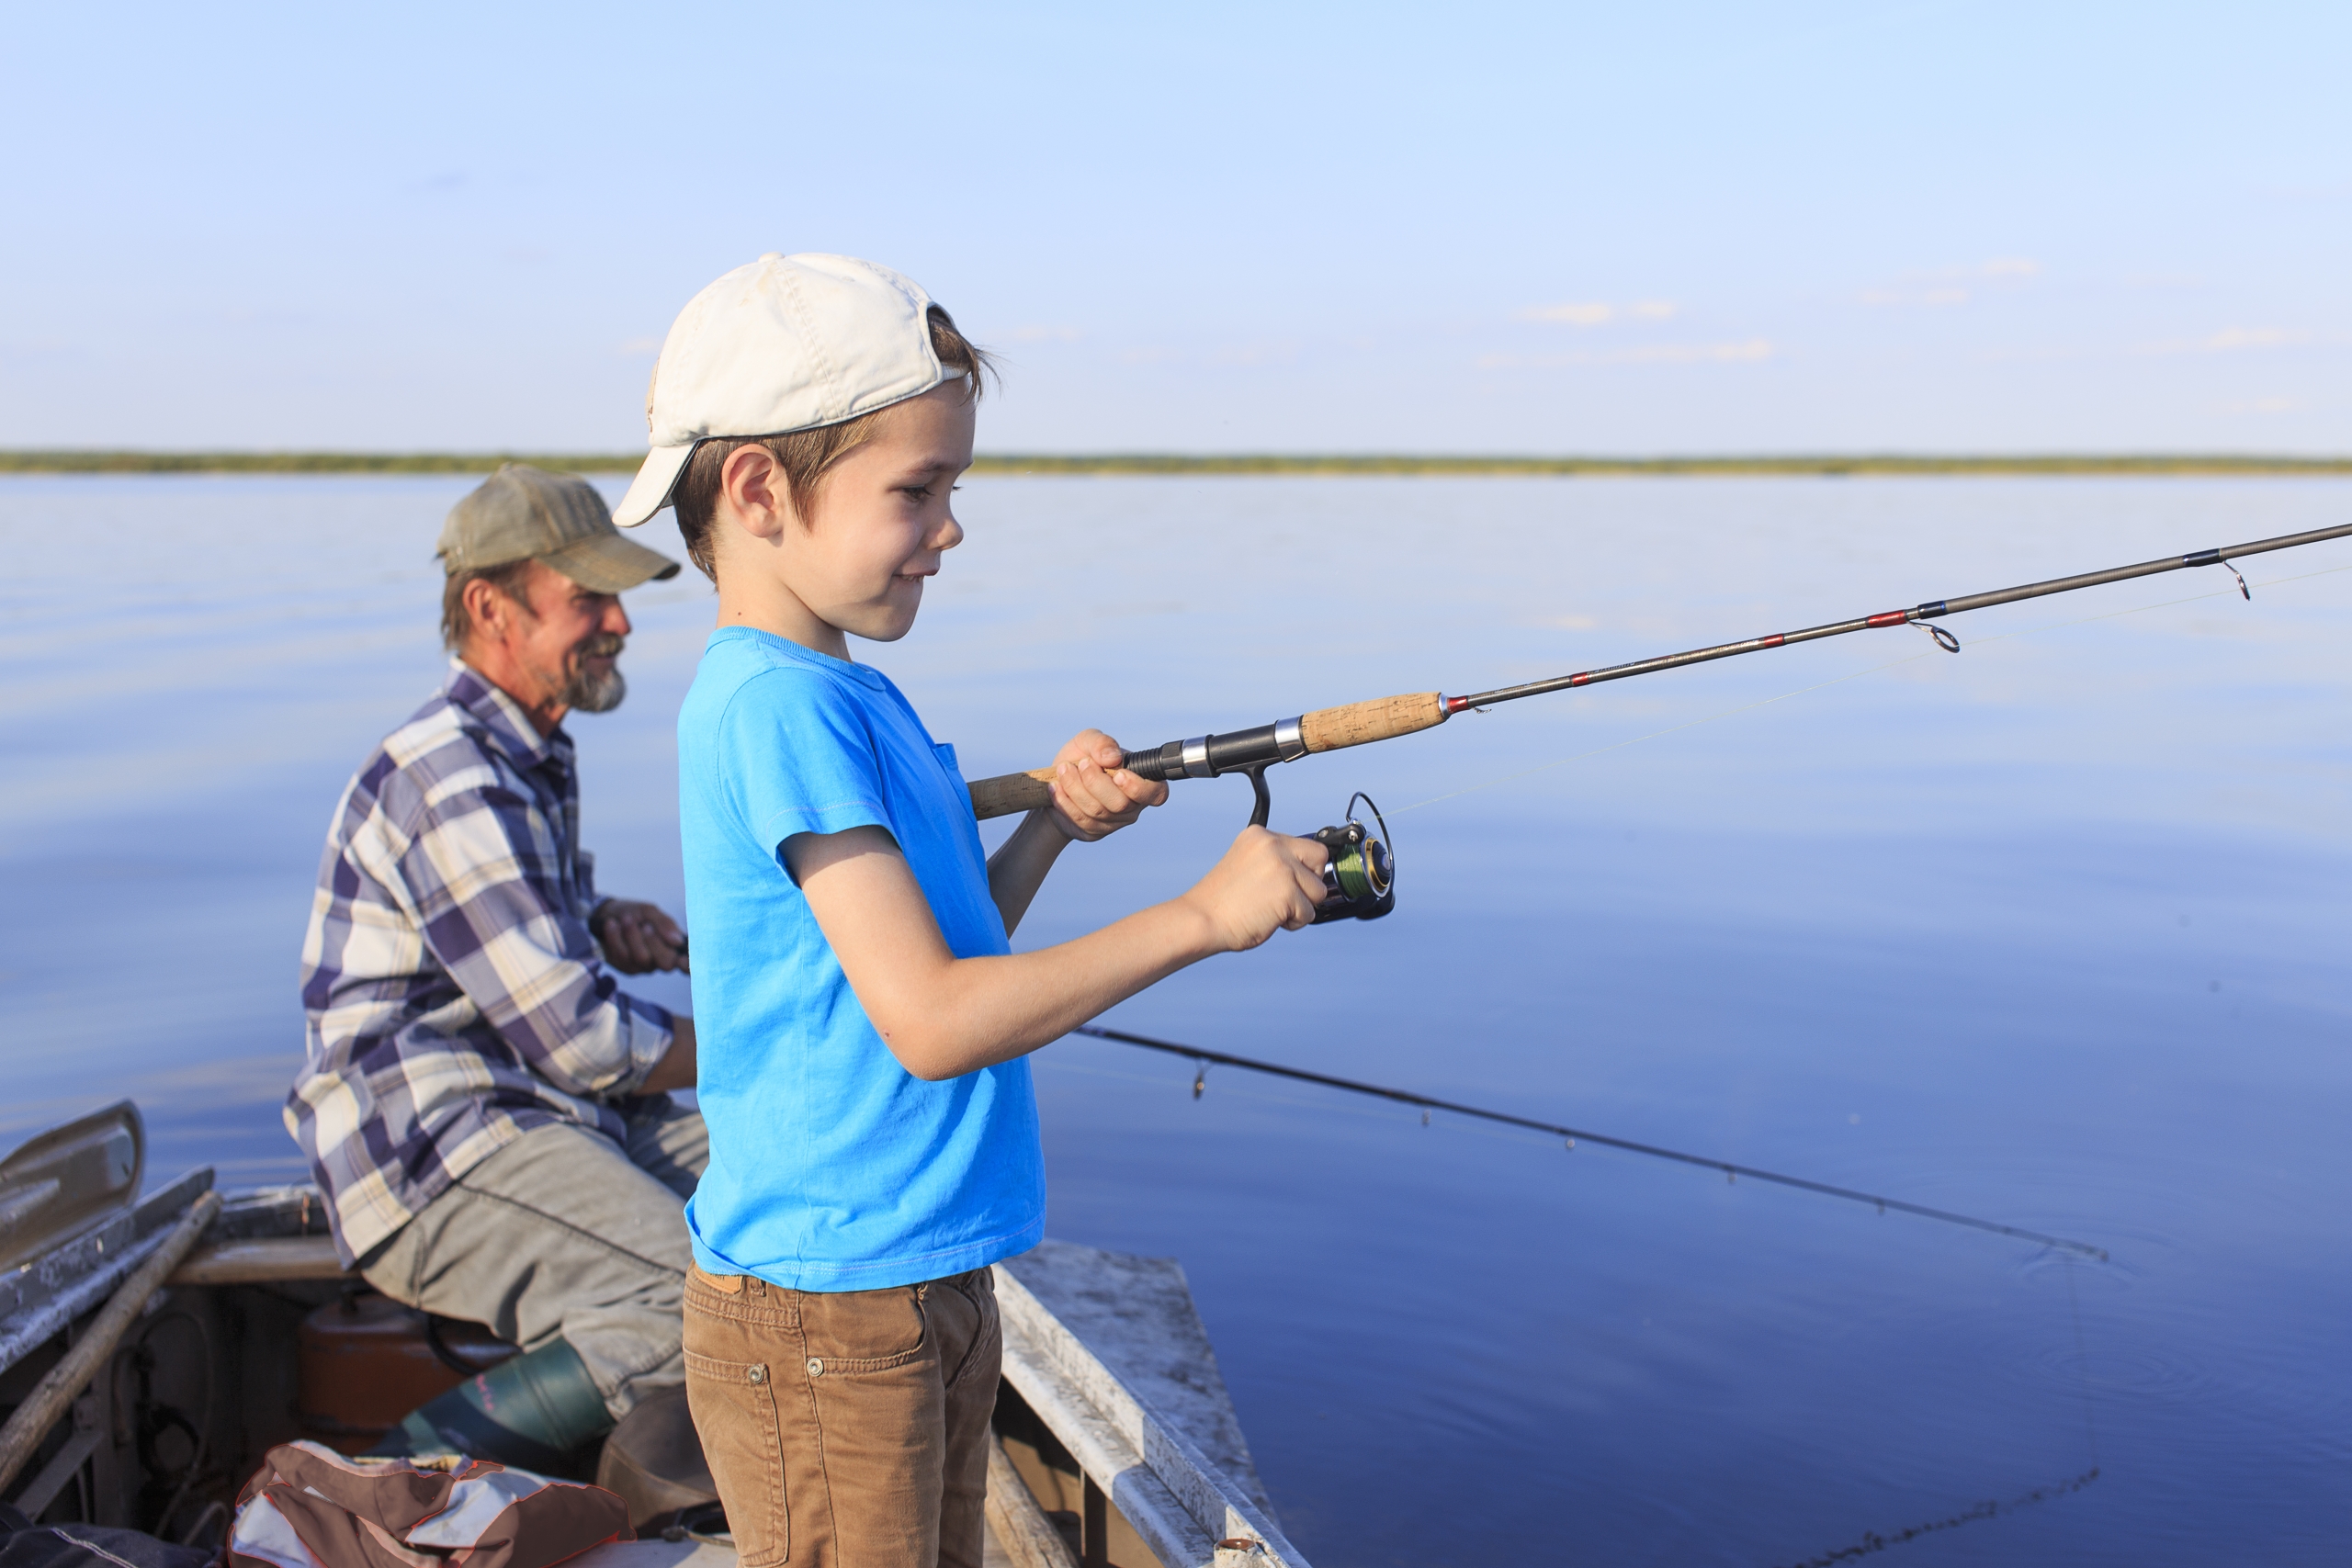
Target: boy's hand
1265,881
1093,797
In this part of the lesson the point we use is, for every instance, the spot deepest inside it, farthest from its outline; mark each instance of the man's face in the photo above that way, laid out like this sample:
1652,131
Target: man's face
567,646
882,518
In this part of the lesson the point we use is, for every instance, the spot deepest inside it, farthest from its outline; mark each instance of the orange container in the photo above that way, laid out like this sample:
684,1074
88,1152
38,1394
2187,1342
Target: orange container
364,1362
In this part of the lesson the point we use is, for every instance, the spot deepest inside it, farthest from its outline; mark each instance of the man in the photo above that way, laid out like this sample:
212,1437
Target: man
483,1108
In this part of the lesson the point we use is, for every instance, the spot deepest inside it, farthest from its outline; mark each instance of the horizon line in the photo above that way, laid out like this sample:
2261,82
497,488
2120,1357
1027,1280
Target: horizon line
124,460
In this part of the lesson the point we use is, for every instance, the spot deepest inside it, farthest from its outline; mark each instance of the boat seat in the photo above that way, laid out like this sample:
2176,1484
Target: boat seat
263,1260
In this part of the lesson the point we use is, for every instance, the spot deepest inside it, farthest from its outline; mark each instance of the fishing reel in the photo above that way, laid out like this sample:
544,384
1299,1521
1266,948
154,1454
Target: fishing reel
1360,877
1361,874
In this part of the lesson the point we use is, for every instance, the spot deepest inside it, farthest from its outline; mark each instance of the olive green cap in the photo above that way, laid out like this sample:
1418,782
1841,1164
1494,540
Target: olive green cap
526,513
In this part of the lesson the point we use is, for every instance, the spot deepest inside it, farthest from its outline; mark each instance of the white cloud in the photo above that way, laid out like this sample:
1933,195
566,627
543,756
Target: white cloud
2247,337
1044,334
1277,351
2229,340
1748,351
639,347
1596,313
1282,352
1572,315
1941,287
1752,349
1931,298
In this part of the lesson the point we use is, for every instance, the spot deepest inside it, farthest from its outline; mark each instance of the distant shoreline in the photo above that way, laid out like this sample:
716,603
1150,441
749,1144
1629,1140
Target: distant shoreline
72,461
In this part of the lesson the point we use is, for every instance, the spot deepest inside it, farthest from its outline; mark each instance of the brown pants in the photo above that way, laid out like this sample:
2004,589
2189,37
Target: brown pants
846,1429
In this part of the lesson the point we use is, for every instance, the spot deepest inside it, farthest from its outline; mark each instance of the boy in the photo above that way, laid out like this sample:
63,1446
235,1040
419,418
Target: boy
873,1134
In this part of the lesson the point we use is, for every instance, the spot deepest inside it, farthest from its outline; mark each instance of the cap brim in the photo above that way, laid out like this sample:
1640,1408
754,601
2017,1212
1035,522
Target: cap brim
606,563
649,491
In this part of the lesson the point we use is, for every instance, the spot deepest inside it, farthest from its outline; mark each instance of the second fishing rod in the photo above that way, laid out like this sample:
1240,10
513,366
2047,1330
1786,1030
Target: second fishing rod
1361,874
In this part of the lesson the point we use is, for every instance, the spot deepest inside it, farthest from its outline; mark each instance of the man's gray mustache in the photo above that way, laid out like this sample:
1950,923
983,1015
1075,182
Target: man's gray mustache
590,693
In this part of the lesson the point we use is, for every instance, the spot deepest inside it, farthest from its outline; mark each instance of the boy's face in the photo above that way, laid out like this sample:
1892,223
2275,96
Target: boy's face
882,519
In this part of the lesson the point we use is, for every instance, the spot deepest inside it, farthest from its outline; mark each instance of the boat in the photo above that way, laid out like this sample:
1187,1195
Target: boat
155,1344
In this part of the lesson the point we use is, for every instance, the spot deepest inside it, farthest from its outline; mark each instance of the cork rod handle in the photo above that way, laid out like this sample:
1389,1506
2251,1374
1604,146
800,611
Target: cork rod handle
1382,718
1008,792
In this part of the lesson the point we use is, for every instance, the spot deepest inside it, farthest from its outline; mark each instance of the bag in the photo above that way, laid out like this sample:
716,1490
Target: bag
310,1508
24,1544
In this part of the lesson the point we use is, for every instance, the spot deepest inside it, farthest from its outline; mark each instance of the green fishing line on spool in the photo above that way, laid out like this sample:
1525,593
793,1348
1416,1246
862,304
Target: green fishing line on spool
1360,874
1361,863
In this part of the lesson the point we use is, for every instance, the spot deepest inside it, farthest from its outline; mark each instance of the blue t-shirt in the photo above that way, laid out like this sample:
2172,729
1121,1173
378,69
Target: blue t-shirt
832,1166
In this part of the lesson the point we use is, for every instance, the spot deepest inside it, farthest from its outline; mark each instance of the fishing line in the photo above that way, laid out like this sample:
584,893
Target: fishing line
1855,675
1251,752
1654,735
1872,1541
1514,1136
2081,1361
1201,1057
1989,1510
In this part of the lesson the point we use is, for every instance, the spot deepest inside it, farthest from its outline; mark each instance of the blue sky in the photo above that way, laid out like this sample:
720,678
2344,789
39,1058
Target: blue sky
1665,228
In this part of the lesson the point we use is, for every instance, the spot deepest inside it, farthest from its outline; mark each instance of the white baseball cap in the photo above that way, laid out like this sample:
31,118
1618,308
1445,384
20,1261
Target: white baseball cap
785,343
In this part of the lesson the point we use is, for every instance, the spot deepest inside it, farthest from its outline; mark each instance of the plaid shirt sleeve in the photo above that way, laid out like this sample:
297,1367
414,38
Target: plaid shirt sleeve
481,873
453,995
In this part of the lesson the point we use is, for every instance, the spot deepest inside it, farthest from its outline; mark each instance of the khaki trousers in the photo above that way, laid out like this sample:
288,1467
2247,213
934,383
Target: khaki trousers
564,1232
846,1429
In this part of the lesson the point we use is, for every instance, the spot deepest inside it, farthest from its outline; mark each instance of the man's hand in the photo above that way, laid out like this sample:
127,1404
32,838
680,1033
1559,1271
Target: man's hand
1093,795
638,937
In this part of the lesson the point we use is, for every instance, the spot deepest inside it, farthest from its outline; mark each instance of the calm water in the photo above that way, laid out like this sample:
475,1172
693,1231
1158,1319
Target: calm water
2053,931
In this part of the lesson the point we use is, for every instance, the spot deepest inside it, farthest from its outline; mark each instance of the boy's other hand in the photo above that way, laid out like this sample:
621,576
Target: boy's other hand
638,937
1266,881
1093,795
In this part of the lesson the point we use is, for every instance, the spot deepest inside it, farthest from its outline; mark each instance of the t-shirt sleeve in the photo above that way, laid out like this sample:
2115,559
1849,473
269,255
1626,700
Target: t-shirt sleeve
796,756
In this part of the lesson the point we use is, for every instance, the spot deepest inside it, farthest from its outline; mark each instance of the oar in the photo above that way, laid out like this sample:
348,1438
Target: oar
1251,752
57,1391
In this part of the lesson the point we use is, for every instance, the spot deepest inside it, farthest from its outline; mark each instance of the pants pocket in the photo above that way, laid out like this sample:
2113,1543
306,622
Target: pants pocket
963,1314
853,1332
733,1403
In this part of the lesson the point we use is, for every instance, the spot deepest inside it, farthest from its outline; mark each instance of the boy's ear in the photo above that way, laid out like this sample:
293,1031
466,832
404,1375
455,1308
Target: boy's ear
753,492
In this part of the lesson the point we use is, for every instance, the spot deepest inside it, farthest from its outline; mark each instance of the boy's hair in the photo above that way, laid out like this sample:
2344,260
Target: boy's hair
806,456
510,578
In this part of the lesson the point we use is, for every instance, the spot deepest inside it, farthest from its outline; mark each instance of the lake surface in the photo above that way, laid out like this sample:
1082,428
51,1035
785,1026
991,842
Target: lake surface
2053,933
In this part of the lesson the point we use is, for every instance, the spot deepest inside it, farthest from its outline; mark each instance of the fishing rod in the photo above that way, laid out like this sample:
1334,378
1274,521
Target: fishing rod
1732,1171
1252,751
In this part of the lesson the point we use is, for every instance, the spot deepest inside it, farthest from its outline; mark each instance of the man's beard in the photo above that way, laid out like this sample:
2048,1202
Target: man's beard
590,693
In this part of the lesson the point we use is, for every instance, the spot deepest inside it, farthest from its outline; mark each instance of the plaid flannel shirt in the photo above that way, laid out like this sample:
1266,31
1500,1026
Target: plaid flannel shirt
454,996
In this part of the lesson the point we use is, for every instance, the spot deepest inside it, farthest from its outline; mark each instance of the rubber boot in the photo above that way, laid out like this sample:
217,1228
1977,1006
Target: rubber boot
529,1411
